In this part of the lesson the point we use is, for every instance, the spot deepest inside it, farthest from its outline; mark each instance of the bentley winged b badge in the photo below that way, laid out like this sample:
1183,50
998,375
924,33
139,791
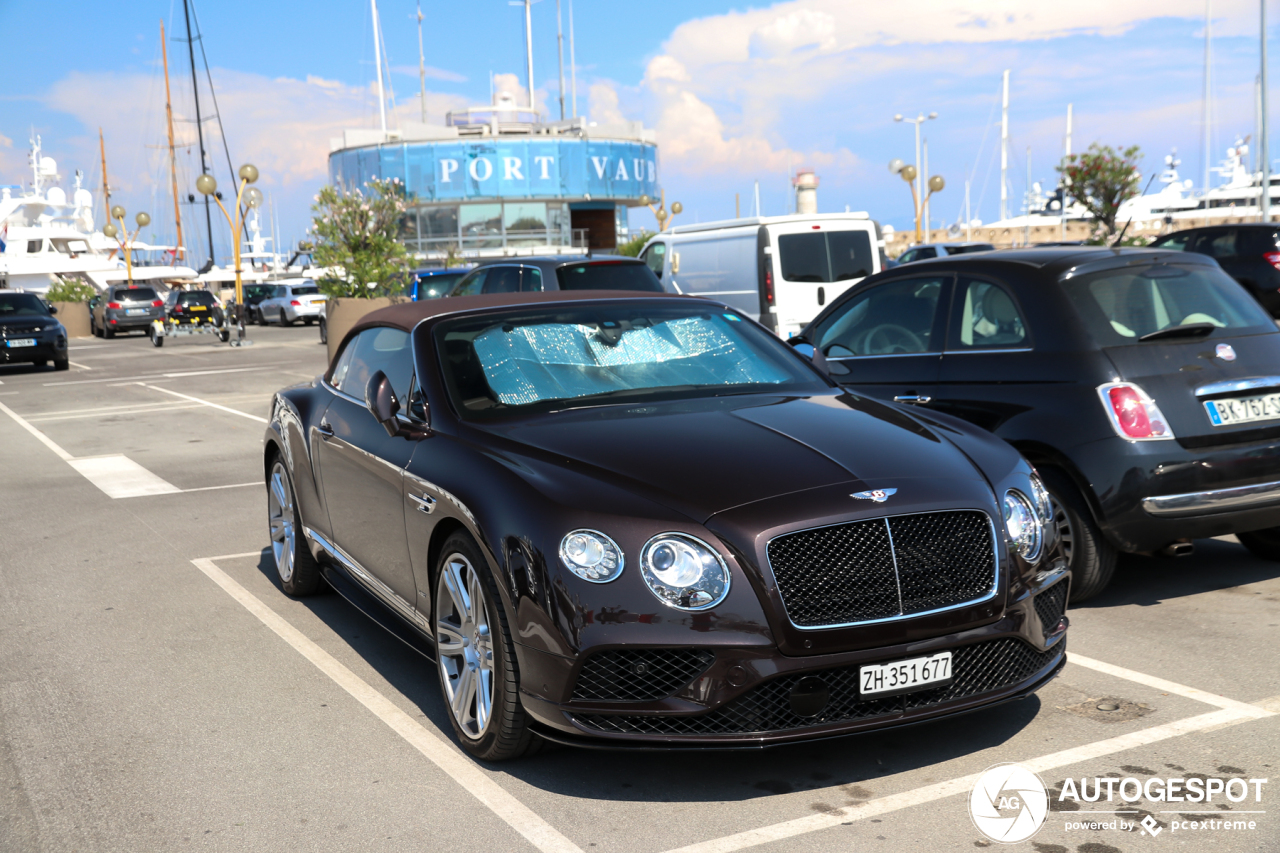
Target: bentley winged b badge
877,495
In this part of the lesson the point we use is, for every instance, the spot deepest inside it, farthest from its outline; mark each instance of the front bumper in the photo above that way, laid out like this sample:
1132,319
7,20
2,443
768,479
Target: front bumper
45,349
745,697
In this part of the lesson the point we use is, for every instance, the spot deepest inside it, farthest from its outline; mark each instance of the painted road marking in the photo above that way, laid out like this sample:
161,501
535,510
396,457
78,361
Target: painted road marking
121,477
205,403
112,411
79,365
124,379
459,767
116,475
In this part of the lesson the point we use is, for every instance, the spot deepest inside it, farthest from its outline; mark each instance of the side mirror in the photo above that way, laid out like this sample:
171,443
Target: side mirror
53,309
381,401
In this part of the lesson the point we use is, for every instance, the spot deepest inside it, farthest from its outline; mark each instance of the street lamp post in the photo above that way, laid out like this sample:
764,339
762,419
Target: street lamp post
917,187
126,242
660,212
252,197
908,173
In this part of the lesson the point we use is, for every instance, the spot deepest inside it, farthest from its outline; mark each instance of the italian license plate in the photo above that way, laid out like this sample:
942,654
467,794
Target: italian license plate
904,676
134,312
21,342
1243,410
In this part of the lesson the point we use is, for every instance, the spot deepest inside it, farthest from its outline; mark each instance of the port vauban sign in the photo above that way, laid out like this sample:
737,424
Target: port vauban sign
517,168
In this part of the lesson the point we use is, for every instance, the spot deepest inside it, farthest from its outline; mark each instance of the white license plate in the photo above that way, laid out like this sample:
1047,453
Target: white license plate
905,675
1243,410
21,342
134,312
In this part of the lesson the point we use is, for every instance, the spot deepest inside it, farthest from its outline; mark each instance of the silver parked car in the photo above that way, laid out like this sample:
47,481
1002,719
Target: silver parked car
925,251
290,302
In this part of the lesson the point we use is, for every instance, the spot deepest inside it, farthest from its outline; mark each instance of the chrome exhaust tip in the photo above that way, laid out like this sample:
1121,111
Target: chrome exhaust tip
1178,549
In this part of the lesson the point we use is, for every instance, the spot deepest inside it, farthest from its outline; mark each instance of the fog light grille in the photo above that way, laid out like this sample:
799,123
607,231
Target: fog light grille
639,675
1050,605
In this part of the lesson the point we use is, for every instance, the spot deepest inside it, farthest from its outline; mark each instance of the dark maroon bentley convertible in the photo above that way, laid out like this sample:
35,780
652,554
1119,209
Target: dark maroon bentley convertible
642,520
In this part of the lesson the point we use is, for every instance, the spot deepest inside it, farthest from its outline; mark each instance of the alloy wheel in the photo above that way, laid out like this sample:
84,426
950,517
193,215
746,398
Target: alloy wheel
1066,532
464,645
280,518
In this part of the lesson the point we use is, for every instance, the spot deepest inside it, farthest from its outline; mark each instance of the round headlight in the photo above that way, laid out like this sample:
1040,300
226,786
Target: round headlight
591,555
1023,525
684,572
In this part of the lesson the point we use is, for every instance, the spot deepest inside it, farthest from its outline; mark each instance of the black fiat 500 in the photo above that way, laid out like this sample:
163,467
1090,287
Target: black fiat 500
638,519
1144,386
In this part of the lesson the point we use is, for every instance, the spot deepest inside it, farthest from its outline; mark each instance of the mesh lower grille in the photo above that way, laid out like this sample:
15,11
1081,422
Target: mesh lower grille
883,567
1050,605
977,669
639,675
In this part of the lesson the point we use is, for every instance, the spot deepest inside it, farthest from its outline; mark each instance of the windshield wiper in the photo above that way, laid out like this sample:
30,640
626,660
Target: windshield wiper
1190,330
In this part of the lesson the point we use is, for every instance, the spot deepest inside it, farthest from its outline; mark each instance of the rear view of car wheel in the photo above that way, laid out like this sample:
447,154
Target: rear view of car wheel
1091,557
476,658
298,570
324,331
61,364
1262,543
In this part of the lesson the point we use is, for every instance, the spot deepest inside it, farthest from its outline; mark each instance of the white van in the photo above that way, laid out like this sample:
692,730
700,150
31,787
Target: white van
780,270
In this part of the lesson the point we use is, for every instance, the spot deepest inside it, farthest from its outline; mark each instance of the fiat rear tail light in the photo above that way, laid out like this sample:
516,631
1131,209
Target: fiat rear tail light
1133,414
115,305
1273,258
295,302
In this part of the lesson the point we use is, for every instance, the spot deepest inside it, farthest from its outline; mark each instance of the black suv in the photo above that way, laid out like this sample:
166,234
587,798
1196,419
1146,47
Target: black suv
1143,385
28,332
537,274
1249,253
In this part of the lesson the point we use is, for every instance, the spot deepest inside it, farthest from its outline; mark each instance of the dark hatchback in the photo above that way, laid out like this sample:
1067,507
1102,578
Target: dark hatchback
1143,385
1248,252
29,333
639,520
537,274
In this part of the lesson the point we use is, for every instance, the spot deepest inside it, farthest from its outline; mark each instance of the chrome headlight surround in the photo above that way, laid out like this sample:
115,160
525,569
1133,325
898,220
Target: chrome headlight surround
684,572
1024,525
591,555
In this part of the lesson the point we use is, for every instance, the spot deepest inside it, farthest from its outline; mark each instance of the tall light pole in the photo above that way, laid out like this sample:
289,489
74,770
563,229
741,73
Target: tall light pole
917,187
208,187
910,173
125,240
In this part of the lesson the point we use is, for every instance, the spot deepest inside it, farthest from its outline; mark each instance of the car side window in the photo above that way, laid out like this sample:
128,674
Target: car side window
502,280
926,253
890,319
985,316
372,350
908,256
1256,241
1218,243
472,284
654,257
1179,242
530,280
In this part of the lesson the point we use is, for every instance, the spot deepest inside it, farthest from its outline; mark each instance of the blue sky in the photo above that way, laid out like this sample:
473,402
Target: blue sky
737,93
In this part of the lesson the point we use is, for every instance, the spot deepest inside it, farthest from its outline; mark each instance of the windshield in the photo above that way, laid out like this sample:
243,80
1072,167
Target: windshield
305,290
136,294
1120,306
21,305
435,286
608,275
196,297
964,250
530,359
258,291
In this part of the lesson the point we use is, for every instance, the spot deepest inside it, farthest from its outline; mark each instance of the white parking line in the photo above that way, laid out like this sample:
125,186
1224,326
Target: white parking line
461,769
79,365
260,420
44,439
112,411
124,379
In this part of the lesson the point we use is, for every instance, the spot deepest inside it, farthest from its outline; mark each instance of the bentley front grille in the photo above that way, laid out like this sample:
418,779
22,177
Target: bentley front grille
884,568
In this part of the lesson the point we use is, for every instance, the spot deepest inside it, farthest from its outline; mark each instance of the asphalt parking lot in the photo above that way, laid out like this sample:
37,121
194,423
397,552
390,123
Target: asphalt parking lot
158,691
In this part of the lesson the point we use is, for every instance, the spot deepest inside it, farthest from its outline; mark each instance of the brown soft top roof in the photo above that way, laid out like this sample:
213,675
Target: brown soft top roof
409,314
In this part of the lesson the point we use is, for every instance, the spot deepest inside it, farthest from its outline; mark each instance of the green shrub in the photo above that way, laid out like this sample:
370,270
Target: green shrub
632,248
355,238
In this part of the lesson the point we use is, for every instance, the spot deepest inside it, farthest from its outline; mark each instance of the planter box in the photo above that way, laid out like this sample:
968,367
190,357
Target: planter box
341,314
75,317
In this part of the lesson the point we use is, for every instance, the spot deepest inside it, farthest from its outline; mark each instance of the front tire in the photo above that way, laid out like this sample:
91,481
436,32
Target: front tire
298,571
1090,556
476,658
1263,543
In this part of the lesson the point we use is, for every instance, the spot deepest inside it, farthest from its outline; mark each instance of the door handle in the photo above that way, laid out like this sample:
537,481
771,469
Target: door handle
325,430
426,503
912,398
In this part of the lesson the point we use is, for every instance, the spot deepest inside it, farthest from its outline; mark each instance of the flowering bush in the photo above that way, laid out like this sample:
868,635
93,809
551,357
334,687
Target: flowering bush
70,290
1100,179
355,239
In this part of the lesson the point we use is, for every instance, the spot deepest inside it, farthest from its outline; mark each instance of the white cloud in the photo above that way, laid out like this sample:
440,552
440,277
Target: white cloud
431,73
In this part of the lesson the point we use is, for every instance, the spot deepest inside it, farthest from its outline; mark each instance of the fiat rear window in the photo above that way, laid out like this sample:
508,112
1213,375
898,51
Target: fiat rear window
1120,306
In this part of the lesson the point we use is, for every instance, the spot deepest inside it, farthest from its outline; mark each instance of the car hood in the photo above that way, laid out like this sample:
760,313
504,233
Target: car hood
706,456
27,324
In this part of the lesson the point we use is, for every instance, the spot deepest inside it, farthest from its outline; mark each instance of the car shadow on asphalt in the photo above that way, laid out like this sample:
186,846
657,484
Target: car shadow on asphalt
847,769
1215,565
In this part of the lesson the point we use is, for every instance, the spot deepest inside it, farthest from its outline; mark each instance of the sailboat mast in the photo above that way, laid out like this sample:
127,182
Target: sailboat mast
1004,149
180,250
377,60
560,50
195,91
573,67
1263,153
106,188
1208,94
528,46
422,68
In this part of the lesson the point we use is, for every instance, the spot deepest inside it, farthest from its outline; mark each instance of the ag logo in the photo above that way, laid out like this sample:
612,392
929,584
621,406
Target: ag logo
1009,803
